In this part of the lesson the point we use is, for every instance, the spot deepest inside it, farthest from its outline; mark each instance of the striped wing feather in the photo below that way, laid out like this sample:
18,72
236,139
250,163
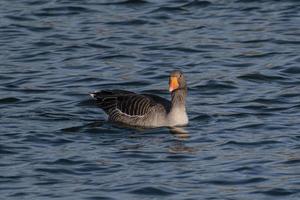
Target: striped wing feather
134,104
128,103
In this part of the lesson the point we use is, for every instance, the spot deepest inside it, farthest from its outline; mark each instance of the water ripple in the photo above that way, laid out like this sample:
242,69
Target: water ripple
153,191
241,59
258,77
237,182
278,192
9,100
256,144
62,11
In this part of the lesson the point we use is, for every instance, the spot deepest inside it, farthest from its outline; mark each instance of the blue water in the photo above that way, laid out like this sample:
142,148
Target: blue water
242,62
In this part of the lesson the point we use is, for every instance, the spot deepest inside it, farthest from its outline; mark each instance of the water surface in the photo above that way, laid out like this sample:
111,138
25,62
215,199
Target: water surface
242,60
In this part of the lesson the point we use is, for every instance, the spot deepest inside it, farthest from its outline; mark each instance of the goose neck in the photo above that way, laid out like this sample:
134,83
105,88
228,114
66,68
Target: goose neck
178,98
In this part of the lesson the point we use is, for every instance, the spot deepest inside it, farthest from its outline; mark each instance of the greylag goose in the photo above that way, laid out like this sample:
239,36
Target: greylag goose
146,110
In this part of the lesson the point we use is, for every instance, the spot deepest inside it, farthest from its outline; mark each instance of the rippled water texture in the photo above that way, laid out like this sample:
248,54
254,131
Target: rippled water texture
242,60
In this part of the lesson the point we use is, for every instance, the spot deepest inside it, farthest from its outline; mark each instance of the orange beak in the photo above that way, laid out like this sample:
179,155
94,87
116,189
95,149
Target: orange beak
173,83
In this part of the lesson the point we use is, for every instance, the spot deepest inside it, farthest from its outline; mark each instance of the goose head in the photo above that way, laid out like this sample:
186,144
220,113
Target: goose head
177,81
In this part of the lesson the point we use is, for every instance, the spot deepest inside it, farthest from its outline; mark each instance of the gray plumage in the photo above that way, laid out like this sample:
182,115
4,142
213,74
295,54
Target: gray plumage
146,110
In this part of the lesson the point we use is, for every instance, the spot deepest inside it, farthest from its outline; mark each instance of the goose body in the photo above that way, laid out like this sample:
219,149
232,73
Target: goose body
146,110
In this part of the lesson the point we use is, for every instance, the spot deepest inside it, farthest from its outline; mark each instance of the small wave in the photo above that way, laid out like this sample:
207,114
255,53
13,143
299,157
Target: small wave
292,70
236,182
260,143
100,198
242,169
256,41
161,191
19,18
5,77
285,42
99,46
6,178
4,151
292,161
9,100
255,107
154,161
62,11
182,49
36,2
250,8
296,106
268,101
33,90
290,94
59,171
46,140
116,56
249,126
277,192
55,116
44,44
256,54
64,161
48,181
33,28
127,2
258,77
189,29
32,55
214,85
168,9
130,22
197,4
72,129
202,117
259,1
67,8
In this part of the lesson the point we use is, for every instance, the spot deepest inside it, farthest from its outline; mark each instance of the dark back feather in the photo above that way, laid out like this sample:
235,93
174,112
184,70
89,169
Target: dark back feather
128,102
164,102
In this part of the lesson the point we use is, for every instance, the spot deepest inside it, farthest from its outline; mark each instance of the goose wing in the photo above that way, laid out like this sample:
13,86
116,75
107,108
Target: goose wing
159,100
120,102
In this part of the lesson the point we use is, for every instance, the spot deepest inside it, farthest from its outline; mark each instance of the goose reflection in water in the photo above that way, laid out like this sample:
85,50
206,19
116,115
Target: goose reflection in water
180,134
